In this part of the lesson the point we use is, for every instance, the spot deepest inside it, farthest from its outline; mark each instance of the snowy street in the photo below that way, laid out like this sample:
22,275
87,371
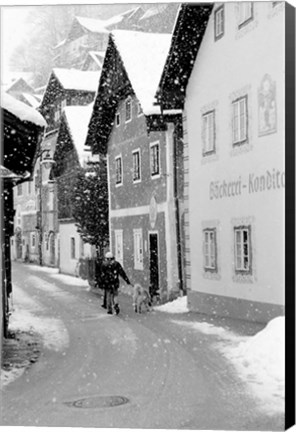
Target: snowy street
154,370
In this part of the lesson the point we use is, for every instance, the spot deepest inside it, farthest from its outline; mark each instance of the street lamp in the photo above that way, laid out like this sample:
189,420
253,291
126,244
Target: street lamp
47,162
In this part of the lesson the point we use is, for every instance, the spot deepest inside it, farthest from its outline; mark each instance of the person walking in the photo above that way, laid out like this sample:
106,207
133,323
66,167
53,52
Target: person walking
110,272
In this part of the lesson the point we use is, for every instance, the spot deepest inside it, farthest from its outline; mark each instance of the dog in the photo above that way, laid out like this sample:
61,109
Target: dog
141,297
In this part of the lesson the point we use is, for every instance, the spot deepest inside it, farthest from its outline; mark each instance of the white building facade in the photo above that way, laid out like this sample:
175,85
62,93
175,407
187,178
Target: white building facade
234,137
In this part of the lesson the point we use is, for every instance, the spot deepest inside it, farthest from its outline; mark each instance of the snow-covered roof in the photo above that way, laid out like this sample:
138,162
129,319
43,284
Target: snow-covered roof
143,56
154,10
74,79
97,56
92,25
31,99
120,17
78,118
60,44
21,110
6,173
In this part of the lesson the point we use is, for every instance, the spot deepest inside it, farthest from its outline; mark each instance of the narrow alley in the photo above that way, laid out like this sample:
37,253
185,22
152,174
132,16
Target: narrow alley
127,371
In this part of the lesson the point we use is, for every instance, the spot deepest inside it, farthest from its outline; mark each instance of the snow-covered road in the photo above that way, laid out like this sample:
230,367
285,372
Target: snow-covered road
165,370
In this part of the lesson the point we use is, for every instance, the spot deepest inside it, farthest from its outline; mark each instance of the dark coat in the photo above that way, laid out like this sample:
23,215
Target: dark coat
109,275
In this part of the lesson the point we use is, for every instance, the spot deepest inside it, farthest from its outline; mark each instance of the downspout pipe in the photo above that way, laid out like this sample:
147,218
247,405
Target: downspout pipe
176,135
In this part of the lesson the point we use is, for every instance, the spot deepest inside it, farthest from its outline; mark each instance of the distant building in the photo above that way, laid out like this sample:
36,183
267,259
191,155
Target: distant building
67,87
225,70
70,154
144,158
22,131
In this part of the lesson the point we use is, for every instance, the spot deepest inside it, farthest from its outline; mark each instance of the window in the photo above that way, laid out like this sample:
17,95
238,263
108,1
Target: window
19,189
154,159
209,133
136,166
128,110
242,249
50,200
46,239
18,216
33,240
245,13
118,246
138,249
210,250
219,22
117,119
239,116
118,167
72,240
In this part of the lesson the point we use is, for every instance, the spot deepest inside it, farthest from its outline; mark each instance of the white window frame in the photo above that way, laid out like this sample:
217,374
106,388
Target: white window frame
118,238
240,120
219,22
242,249
209,132
119,157
137,180
246,12
138,249
51,200
210,249
154,145
33,240
128,101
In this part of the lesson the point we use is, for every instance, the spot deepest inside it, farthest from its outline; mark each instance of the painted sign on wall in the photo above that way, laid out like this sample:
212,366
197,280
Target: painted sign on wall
253,183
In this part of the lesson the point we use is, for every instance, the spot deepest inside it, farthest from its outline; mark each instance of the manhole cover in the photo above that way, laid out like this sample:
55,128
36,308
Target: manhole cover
98,402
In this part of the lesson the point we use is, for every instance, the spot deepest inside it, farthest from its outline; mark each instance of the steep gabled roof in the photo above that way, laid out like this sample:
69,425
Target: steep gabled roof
19,85
77,119
133,64
92,25
143,56
97,57
21,110
124,16
74,79
188,33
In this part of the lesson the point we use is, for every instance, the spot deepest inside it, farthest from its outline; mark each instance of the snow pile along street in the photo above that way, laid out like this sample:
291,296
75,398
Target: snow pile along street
24,318
176,306
259,360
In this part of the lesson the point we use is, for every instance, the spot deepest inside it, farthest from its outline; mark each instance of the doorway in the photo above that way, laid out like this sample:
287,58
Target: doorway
153,264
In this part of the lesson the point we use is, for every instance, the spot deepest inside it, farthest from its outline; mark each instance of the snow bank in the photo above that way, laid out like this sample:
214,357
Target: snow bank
43,268
21,110
24,317
176,306
259,359
71,280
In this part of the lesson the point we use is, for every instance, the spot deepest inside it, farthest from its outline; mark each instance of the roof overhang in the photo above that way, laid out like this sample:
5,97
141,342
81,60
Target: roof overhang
188,33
